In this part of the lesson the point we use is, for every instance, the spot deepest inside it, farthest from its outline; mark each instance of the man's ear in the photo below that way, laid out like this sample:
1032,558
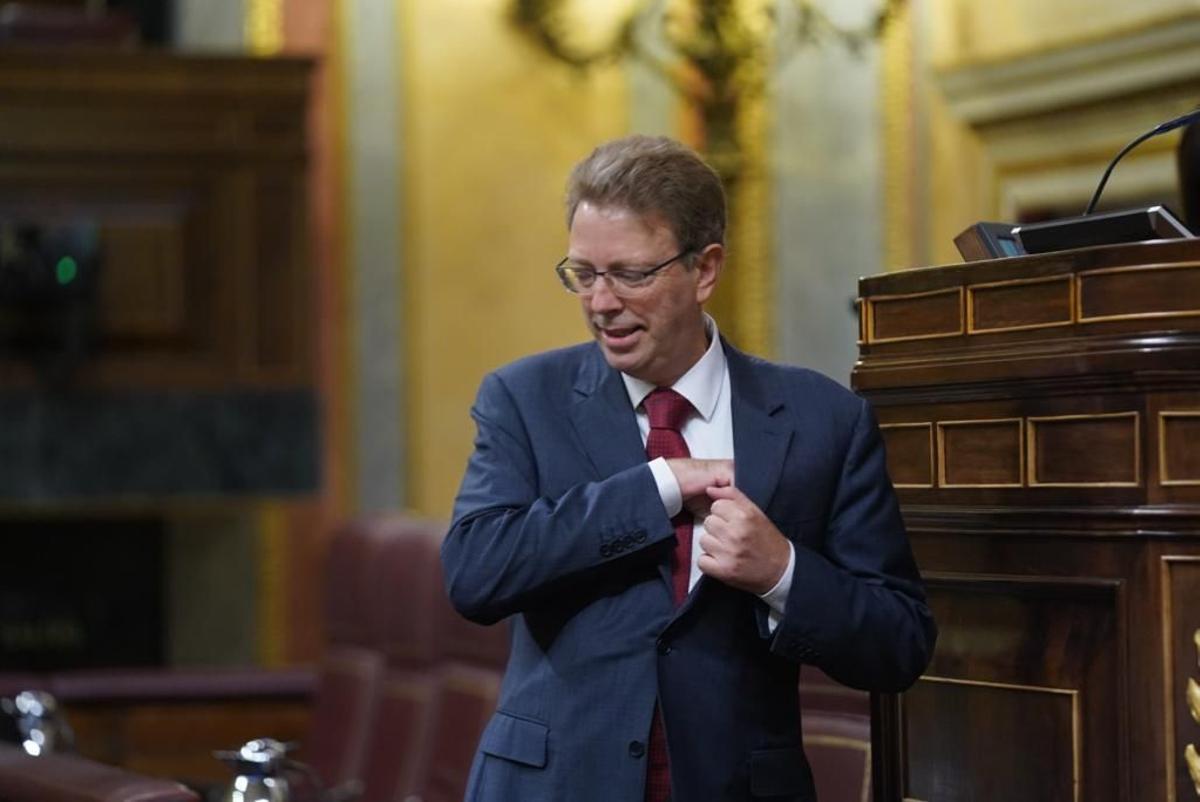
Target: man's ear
709,265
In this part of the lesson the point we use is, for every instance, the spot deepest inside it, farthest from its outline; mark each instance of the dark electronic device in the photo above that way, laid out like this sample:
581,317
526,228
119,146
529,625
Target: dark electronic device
997,240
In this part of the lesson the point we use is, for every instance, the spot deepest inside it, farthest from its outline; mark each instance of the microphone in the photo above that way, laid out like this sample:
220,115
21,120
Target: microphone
1162,128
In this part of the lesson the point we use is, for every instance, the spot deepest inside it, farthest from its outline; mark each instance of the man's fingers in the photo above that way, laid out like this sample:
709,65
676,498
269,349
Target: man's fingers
729,492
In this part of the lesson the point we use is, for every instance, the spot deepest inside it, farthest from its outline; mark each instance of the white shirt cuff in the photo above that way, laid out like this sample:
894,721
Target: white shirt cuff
668,487
776,598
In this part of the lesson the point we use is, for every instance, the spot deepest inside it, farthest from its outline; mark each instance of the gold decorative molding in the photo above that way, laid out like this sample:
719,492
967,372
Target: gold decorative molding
1076,715
875,300
1164,477
1082,276
1032,450
264,27
972,289
1193,699
1193,764
942,479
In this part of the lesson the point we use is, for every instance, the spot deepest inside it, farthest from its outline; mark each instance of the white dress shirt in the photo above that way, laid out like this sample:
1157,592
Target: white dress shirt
709,435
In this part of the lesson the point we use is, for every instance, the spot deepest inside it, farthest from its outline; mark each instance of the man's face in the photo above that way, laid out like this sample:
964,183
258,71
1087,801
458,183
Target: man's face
656,333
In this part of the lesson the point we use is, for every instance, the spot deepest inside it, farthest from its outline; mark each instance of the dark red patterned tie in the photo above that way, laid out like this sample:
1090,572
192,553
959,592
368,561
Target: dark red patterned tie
668,411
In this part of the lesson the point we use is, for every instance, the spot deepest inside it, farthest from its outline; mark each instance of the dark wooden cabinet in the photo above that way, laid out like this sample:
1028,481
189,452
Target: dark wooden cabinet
193,170
1042,418
185,364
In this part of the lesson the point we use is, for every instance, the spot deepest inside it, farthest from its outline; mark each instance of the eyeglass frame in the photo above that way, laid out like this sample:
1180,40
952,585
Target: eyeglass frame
616,287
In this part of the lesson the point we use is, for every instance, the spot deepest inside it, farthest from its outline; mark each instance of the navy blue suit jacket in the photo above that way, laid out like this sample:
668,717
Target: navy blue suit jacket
558,525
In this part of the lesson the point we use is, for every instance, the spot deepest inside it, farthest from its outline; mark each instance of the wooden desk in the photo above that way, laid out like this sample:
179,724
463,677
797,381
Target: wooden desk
1042,417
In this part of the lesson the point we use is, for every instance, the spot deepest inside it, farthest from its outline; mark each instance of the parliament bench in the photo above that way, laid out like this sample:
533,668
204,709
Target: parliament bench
398,700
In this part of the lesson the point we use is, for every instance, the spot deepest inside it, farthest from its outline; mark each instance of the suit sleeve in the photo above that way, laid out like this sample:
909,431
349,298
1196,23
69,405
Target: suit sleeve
509,545
857,608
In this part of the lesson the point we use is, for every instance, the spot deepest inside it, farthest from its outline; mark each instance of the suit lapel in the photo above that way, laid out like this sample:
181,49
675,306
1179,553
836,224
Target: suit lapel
603,418
760,439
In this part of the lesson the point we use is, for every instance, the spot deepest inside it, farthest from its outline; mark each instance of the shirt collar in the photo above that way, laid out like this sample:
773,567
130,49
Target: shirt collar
701,385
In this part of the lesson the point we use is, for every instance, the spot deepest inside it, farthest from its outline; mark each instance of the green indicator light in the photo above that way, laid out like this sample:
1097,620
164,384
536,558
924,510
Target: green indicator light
66,270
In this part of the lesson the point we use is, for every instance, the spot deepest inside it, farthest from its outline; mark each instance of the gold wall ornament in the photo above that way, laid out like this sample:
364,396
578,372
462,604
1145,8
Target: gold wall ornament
264,27
1196,640
719,57
1193,699
1193,763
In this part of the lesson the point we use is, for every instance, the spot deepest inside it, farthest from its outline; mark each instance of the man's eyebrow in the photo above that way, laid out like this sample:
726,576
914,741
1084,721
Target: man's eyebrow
620,264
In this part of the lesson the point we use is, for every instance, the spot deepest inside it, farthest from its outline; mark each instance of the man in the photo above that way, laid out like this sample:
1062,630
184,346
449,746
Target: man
672,526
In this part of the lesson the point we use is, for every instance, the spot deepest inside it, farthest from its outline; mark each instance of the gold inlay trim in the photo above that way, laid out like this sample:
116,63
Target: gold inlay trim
1031,449
1193,764
1163,477
941,452
1076,714
916,425
1193,699
875,300
1080,276
973,288
838,741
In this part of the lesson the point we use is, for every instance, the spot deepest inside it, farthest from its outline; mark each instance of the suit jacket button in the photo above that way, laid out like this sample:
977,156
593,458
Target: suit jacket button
636,749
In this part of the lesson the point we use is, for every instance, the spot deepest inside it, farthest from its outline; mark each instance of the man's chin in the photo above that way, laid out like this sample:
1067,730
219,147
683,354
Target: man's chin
624,361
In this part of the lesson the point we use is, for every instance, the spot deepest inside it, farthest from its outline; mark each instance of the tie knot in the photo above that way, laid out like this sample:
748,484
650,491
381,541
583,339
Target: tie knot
667,409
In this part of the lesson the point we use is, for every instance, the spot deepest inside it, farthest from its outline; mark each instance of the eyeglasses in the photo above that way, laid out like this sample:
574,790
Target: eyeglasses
623,281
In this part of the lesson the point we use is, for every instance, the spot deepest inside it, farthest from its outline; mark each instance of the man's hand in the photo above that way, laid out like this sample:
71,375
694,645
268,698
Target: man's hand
740,545
695,476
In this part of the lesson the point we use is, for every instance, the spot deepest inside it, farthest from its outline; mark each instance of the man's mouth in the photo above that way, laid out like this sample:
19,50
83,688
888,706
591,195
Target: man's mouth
619,336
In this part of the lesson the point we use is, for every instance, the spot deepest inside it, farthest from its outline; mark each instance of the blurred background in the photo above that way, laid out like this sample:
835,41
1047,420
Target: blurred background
256,255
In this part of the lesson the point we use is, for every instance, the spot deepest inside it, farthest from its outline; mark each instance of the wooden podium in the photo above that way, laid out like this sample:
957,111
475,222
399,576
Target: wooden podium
1042,419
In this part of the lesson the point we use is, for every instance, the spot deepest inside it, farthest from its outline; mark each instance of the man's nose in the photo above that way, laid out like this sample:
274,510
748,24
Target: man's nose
603,299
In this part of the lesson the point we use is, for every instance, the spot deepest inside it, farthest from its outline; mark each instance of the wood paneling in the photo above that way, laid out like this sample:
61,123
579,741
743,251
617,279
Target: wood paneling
916,316
1181,668
1178,434
952,758
193,169
980,453
177,738
1018,305
1085,450
1125,293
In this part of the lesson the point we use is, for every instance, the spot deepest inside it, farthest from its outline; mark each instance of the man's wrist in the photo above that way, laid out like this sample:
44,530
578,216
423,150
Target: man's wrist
668,486
776,598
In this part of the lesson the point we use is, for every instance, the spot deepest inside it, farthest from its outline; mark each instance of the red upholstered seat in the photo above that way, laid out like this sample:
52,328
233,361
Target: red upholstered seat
351,670
443,675
404,582
69,778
